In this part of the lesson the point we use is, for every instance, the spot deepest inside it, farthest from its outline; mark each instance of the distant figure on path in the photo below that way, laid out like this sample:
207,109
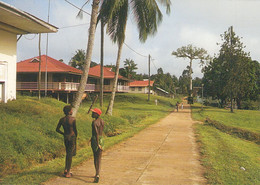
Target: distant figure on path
70,136
181,106
97,140
177,106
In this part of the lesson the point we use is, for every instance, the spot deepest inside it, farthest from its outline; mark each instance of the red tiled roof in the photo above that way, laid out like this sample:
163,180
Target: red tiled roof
108,73
53,65
141,83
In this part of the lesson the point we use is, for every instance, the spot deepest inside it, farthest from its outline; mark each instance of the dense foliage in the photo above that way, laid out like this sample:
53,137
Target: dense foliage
232,75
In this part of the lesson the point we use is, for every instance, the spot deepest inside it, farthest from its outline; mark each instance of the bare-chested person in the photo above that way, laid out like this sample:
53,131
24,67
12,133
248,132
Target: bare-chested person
70,136
97,140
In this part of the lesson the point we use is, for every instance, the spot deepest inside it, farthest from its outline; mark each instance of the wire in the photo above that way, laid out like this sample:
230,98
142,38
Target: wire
78,7
30,38
135,51
154,64
74,25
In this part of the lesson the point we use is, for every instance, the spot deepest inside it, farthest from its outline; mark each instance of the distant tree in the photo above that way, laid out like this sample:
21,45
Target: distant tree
164,81
192,53
130,66
78,59
184,81
232,74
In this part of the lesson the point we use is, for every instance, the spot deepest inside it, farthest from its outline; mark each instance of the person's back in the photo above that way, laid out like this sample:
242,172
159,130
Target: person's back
68,125
70,137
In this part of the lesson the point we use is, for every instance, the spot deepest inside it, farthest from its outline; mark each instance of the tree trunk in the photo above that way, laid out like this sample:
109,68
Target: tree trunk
231,106
238,100
39,75
84,76
102,64
190,74
111,103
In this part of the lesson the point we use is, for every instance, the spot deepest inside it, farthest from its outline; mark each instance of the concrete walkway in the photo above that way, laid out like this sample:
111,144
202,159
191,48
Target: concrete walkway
164,153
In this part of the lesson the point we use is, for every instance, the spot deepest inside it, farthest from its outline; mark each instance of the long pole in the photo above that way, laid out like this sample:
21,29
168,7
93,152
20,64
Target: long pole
231,92
149,62
39,75
102,64
47,44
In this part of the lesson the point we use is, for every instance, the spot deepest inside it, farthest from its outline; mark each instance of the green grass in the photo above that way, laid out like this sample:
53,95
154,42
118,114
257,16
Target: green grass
244,119
31,150
223,155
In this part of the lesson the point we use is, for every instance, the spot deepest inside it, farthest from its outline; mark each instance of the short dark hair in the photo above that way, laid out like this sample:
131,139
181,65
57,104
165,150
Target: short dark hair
67,109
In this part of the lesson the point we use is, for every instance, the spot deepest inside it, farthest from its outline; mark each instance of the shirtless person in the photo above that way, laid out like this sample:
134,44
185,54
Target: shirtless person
97,140
70,135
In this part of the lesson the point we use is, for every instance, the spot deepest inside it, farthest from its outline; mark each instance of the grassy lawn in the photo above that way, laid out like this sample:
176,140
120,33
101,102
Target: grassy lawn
245,119
31,150
224,156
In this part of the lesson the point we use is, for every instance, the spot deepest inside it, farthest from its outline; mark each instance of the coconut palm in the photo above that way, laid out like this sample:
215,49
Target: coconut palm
90,45
130,67
115,14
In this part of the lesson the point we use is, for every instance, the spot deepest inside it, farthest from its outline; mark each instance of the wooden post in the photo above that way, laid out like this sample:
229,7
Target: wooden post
93,102
58,96
149,58
67,98
39,75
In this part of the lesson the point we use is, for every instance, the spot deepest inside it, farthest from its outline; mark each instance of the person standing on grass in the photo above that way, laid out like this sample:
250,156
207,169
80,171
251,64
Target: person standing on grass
181,106
177,106
70,136
97,140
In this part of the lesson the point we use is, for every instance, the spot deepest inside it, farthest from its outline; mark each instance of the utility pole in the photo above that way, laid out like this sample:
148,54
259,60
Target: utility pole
47,43
149,62
39,75
231,50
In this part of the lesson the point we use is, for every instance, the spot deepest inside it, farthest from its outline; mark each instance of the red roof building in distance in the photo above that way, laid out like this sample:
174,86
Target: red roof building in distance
144,83
108,73
53,66
141,86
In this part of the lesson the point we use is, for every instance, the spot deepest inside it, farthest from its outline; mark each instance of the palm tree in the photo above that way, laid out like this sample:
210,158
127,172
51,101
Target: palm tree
84,76
130,67
115,14
78,59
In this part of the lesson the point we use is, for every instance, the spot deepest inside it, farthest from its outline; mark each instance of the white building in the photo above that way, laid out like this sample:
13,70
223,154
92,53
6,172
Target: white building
14,22
141,87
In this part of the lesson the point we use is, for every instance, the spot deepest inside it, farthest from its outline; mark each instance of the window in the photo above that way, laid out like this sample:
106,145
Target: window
106,82
140,88
132,88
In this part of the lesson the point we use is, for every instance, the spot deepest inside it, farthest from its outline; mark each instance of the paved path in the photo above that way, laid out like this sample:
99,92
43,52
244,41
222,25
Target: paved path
164,153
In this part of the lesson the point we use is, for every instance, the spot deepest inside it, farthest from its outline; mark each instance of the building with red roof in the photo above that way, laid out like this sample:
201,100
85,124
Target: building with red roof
94,78
62,78
141,86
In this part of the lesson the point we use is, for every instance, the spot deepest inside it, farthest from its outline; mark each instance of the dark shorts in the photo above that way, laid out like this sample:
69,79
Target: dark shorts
70,144
94,144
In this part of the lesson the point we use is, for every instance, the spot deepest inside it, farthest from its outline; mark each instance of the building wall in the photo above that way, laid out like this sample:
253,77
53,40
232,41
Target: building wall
7,65
143,90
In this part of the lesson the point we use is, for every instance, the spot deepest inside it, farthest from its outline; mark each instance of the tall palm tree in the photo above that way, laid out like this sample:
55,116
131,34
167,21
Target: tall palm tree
115,14
84,76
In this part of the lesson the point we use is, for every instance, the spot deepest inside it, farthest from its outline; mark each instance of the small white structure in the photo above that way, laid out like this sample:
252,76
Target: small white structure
141,87
14,22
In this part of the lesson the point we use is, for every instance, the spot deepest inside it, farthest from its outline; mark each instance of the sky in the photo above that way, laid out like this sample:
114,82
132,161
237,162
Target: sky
196,22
